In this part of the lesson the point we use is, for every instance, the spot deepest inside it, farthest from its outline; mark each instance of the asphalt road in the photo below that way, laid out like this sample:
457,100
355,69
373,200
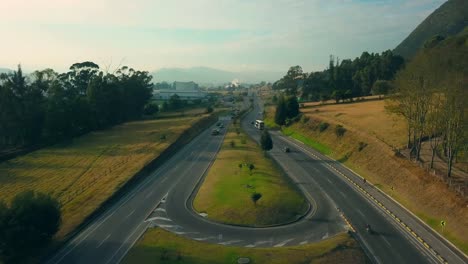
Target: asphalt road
164,199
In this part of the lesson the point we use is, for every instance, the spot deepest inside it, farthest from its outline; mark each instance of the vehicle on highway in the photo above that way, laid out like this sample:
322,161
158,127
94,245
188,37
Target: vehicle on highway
286,149
215,132
368,229
259,124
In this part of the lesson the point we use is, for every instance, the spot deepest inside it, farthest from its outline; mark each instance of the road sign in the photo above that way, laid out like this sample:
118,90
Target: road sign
442,223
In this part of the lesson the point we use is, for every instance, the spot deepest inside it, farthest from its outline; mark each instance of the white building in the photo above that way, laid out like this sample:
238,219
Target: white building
185,86
185,90
184,95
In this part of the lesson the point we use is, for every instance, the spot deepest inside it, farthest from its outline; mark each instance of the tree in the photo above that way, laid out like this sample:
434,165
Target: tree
255,197
281,112
175,102
265,141
151,109
292,107
381,87
27,226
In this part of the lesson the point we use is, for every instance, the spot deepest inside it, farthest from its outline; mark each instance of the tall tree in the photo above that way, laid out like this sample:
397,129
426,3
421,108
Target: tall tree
265,141
281,111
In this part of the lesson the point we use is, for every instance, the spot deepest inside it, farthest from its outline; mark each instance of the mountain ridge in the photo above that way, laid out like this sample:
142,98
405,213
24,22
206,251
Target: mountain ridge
447,20
207,75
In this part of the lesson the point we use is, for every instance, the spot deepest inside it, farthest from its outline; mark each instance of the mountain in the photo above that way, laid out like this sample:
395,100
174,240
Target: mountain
447,20
205,75
5,70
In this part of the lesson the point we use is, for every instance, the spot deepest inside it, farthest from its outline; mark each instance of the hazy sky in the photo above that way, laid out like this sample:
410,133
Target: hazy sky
226,34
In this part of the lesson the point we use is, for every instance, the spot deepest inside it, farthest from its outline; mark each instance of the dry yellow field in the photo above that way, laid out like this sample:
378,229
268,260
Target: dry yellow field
88,170
368,117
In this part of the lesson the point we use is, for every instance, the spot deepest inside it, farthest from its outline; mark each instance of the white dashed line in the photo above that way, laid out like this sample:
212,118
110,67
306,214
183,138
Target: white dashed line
283,243
148,195
130,214
102,242
158,218
229,242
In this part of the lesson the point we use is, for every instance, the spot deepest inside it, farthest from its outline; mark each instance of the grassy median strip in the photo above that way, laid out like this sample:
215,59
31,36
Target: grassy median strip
85,172
160,246
240,171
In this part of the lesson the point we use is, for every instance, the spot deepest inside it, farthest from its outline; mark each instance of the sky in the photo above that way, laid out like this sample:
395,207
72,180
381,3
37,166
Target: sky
234,35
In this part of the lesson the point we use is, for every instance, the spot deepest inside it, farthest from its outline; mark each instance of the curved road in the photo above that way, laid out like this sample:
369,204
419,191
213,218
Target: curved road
163,199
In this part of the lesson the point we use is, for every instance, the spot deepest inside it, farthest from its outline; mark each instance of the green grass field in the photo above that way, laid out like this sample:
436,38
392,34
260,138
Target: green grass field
88,170
226,192
160,246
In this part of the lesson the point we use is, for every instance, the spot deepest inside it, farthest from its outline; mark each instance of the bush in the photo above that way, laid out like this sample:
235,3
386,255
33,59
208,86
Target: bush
323,126
209,109
151,109
27,226
340,130
232,143
305,119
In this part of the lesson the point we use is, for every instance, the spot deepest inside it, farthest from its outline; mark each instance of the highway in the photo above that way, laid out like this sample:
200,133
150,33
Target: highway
164,199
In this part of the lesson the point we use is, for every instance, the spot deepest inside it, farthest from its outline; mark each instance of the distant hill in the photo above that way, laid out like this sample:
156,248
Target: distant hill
5,70
447,20
205,75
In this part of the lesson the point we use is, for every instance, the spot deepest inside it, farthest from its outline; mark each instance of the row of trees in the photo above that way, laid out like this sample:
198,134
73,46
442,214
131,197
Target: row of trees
343,80
27,226
47,106
431,94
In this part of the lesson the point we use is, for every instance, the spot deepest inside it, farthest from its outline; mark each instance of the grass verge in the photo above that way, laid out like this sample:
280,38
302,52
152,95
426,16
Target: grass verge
306,140
86,171
225,194
160,246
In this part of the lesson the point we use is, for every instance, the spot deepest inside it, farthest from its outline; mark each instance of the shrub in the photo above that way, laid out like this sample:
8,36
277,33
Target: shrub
232,143
305,119
209,109
323,126
340,130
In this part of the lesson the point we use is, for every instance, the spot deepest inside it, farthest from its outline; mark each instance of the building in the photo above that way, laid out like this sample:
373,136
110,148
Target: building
185,91
185,86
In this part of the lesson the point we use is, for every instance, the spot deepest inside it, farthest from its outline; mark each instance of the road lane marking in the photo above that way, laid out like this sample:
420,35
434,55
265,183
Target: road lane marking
230,242
158,218
262,242
160,209
325,236
361,213
102,242
130,214
386,241
148,195
284,242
